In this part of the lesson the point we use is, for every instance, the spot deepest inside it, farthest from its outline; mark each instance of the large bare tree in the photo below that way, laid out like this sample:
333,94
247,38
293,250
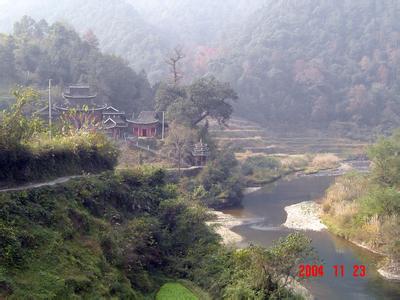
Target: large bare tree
178,143
176,55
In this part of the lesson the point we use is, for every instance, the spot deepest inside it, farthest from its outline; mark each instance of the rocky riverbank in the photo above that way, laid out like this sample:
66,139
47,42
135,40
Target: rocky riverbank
223,225
304,216
391,270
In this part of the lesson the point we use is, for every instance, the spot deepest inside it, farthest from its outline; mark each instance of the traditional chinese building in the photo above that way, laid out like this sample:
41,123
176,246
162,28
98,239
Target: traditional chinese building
200,153
80,108
114,122
146,125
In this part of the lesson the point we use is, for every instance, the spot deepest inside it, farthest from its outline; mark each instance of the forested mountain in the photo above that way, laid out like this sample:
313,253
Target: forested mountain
38,51
194,22
317,63
304,63
143,32
118,26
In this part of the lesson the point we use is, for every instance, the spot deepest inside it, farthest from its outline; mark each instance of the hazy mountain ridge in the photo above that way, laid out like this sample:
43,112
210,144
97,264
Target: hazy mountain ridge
314,63
119,27
307,62
195,21
143,32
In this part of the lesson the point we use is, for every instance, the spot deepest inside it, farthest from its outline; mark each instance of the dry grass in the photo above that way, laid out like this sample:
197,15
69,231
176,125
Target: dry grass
130,158
241,156
339,199
341,208
287,161
325,161
230,139
294,161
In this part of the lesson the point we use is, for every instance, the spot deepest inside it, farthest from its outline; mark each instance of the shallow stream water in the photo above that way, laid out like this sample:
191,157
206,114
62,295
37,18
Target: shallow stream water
266,208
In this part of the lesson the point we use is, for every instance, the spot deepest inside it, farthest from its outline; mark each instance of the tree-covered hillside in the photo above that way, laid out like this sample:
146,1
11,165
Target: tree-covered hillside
38,51
305,63
313,62
119,27
195,22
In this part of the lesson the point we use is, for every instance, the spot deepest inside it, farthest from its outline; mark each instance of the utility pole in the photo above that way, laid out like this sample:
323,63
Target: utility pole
50,109
163,125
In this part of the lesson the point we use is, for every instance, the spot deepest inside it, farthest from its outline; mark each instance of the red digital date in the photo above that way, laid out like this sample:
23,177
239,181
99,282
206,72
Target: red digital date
338,271
358,270
311,271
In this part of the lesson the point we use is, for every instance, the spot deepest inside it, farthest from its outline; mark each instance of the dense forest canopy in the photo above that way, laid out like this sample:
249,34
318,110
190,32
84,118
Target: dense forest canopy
38,51
317,62
118,26
306,63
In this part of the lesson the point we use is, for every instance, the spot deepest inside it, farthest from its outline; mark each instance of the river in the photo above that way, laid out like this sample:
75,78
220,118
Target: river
266,208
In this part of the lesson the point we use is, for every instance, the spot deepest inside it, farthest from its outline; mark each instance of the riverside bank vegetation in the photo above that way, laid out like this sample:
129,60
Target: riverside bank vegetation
123,235
365,208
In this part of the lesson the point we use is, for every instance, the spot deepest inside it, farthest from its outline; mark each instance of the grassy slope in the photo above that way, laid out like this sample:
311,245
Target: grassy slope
175,291
51,238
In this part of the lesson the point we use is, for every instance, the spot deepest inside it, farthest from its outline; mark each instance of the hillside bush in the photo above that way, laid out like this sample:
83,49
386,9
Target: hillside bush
366,208
120,235
44,159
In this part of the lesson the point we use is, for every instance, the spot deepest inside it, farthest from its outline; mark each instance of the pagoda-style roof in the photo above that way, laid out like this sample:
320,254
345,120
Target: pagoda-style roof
146,118
110,110
44,111
78,92
115,122
80,109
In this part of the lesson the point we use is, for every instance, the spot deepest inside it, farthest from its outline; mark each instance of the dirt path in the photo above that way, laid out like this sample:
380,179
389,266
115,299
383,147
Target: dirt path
41,184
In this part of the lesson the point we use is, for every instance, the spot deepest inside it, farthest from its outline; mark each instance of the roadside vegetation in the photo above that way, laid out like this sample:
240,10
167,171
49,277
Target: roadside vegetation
366,208
124,235
28,154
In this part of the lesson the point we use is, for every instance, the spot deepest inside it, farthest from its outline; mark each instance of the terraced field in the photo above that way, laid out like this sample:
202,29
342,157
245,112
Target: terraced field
249,136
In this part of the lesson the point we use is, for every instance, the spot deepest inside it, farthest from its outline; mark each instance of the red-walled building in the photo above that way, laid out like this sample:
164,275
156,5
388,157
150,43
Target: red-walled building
146,125
80,108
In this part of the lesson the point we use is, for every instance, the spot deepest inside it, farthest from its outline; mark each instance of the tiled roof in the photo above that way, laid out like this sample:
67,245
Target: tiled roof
146,117
115,122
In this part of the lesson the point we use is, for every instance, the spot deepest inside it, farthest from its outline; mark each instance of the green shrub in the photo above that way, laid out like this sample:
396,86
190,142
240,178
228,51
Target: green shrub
259,162
84,152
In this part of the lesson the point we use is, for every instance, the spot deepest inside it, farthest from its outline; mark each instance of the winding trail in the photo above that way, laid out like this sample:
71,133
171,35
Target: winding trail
42,184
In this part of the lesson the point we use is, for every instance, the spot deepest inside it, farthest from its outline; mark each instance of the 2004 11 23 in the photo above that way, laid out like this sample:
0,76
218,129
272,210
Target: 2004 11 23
337,271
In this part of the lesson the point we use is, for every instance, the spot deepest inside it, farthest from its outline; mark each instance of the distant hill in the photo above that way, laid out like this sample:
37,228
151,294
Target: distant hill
118,26
300,64
195,21
317,63
37,51
142,31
